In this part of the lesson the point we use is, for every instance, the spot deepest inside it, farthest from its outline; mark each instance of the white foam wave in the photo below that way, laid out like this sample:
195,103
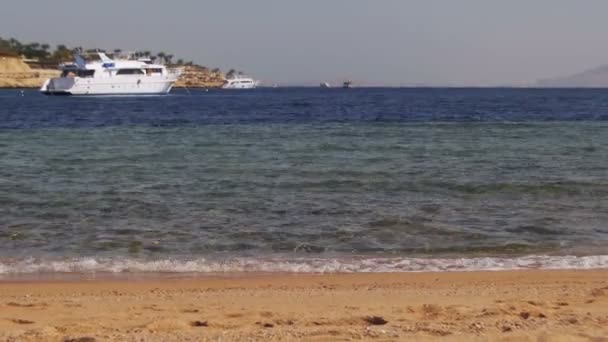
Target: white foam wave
299,265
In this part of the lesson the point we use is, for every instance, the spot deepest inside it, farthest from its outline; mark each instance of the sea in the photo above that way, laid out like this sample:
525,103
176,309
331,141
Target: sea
304,180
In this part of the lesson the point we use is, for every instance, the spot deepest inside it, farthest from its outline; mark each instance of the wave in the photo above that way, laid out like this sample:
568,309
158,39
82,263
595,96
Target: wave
298,265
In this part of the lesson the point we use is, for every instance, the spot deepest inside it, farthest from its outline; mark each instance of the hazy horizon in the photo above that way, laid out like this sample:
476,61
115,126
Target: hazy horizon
388,42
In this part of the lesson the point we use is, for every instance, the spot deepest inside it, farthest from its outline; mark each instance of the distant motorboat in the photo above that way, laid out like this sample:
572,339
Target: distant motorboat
347,84
240,82
107,76
325,85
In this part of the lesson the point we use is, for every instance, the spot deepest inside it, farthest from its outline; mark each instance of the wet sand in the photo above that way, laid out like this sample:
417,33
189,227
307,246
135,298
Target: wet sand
473,306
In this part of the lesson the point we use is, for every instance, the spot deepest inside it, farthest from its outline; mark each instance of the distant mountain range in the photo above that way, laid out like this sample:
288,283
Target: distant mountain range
592,78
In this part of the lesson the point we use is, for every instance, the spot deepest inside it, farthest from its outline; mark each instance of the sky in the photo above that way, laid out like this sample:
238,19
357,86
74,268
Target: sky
371,42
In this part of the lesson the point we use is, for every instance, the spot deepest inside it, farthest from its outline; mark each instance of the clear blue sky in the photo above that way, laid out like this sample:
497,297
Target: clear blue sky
435,42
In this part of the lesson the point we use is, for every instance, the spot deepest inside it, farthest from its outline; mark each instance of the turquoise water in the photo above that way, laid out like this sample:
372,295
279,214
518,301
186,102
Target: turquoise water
305,196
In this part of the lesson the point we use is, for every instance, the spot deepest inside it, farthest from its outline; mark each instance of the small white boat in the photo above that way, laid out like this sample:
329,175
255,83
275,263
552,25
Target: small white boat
240,82
325,85
106,76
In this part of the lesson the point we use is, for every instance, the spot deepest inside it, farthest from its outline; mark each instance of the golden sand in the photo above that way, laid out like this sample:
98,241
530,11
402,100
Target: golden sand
474,306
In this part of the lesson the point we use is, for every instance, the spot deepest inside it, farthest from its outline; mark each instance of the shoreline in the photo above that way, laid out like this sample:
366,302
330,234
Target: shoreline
16,74
527,305
253,278
132,268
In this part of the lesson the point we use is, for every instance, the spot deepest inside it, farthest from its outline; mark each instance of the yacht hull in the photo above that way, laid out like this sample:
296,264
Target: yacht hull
81,86
240,87
241,83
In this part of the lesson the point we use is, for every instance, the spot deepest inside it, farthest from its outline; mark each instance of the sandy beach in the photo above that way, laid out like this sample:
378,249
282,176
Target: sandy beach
478,306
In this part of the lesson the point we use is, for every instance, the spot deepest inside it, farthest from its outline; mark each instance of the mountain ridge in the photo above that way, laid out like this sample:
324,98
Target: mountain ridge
591,78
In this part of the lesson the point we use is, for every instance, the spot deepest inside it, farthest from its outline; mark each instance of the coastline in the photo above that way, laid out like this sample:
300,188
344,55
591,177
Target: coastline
451,306
16,74
35,79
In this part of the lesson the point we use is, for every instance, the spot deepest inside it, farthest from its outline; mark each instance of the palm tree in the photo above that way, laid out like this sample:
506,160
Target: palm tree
147,54
153,58
31,50
161,57
45,50
15,43
180,62
230,73
216,71
168,58
7,47
16,46
62,53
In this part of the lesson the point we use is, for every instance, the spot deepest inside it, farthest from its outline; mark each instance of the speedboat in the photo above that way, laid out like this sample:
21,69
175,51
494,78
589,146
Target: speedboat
106,76
240,82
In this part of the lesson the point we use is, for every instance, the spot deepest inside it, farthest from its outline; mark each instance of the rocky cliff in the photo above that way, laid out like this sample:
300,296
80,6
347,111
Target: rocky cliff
14,73
199,77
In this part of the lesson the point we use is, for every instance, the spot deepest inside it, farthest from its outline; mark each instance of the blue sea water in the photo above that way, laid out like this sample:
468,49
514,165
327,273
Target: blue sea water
303,179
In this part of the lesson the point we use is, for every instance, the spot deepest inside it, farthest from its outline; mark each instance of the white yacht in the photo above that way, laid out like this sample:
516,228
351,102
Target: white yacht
240,82
106,76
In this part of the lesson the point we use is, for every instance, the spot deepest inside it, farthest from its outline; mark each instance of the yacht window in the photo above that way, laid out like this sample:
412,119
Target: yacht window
153,71
86,73
77,73
130,72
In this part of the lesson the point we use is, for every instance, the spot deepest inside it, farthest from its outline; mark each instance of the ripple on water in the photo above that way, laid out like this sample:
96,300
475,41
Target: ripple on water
304,174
